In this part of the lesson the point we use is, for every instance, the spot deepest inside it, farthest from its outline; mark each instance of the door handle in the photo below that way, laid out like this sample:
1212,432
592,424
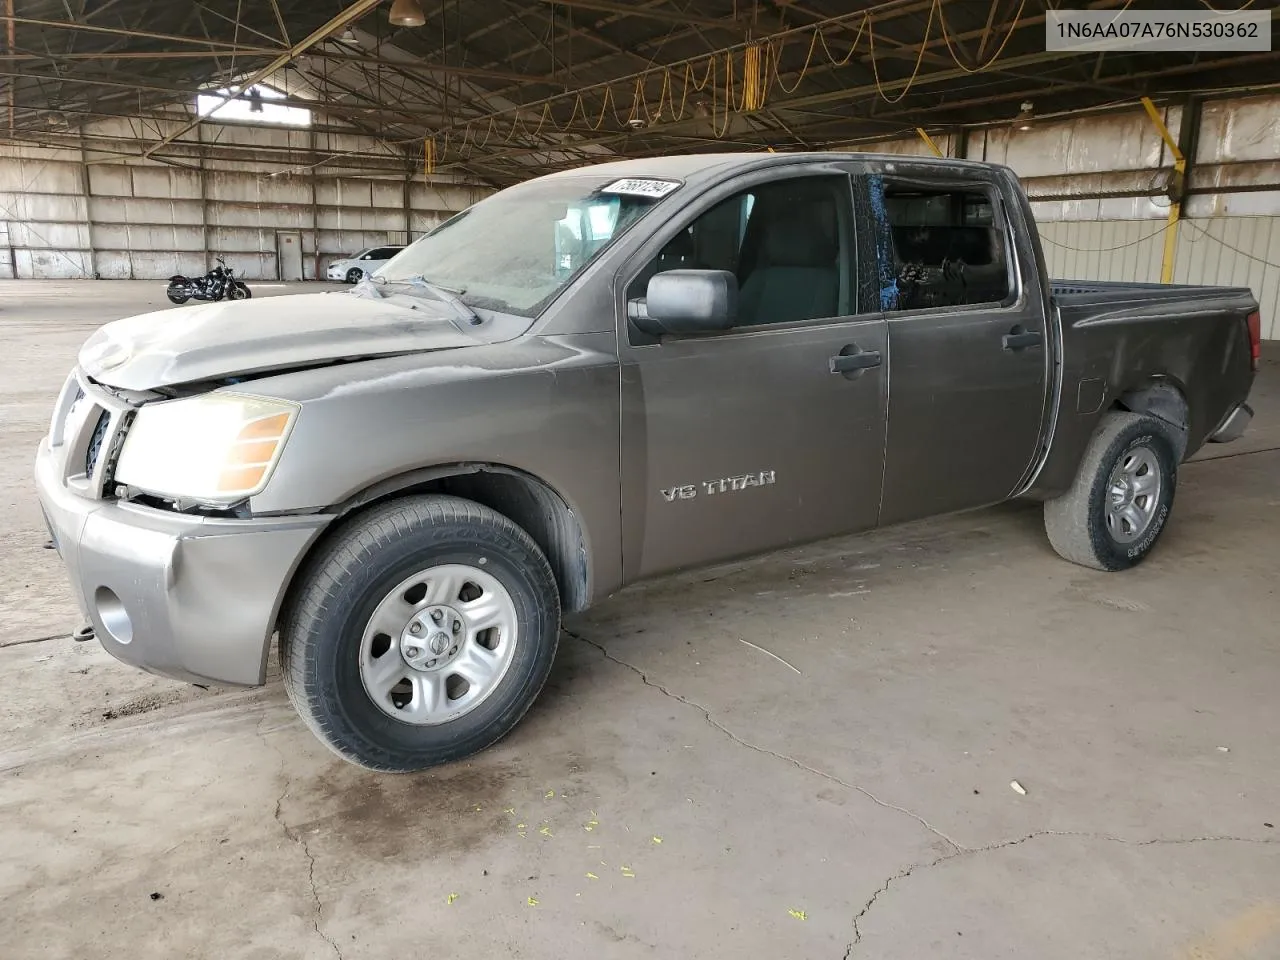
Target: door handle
854,363
1019,338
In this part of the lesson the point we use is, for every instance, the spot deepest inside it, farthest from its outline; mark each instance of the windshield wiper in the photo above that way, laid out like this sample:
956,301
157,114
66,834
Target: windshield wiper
446,294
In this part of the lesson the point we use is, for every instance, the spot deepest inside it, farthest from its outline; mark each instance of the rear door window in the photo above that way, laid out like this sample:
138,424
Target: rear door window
940,246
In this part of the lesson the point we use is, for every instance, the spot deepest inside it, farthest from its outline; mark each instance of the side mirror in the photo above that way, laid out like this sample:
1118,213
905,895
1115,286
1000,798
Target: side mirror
688,301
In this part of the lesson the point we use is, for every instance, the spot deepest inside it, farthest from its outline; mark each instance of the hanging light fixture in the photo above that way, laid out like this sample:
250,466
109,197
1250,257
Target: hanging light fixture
407,13
1023,120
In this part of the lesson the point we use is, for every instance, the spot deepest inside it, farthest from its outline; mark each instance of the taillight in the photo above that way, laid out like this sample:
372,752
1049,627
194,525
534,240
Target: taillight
1255,338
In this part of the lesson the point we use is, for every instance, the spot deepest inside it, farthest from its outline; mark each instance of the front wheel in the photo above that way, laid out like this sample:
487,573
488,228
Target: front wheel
354,275
1117,508
420,634
239,291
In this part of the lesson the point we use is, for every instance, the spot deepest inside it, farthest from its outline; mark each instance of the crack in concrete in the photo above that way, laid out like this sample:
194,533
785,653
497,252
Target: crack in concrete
20,643
958,850
1039,834
786,758
301,841
884,888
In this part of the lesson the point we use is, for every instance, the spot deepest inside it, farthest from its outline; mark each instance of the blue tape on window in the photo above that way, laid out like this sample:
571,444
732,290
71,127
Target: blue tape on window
889,296
884,243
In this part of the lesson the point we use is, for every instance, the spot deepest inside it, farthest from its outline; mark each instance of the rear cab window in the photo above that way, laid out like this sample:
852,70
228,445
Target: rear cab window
940,244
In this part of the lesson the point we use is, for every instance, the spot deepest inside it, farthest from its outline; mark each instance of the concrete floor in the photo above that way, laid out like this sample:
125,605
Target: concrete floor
676,792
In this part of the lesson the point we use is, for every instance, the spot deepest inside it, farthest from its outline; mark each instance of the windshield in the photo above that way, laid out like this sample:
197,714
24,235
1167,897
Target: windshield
515,250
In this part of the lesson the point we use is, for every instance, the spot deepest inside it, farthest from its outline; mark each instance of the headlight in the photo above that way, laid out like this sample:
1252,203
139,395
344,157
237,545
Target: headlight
218,447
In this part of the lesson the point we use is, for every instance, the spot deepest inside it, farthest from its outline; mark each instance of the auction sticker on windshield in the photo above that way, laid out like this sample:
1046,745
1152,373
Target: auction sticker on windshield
639,187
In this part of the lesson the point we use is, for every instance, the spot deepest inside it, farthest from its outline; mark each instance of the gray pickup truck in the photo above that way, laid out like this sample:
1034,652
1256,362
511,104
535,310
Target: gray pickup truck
593,378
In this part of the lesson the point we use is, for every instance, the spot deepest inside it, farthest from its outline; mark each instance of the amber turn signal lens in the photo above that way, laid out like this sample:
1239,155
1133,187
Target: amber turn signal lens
250,454
245,478
268,428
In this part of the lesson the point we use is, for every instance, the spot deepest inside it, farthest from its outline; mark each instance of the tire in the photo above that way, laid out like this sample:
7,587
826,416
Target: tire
238,291
330,642
1089,525
354,275
177,291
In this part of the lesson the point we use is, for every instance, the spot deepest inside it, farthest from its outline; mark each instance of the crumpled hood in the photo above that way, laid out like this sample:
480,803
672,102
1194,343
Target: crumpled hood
245,337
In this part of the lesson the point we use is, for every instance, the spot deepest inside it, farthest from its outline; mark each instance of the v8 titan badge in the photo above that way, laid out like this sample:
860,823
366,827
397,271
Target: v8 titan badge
723,485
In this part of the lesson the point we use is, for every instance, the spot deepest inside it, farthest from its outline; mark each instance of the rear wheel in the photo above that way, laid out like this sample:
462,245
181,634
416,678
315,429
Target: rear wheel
1117,508
354,275
177,291
420,634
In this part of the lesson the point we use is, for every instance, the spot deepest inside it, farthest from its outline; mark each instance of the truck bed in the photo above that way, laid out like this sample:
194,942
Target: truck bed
1082,293
1128,337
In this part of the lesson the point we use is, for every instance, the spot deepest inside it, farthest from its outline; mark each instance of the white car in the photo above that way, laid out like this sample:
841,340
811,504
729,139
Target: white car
354,269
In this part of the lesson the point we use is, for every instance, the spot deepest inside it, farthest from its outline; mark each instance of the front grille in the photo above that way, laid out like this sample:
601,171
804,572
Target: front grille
95,443
87,433
67,399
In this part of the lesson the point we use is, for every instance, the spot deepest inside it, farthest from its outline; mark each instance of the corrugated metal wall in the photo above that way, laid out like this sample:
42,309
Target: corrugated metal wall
1097,189
69,215
1233,251
46,217
1096,185
1104,249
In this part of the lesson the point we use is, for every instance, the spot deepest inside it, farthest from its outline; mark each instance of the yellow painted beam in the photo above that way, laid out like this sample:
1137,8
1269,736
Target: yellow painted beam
1175,206
929,140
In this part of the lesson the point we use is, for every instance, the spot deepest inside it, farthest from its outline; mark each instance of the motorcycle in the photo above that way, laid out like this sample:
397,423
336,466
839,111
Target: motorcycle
217,284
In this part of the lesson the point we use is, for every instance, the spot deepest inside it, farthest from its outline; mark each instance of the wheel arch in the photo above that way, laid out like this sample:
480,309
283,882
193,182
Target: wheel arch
1161,397
526,500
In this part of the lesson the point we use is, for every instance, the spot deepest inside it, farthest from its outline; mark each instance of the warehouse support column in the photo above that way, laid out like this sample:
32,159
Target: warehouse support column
86,191
315,213
1177,186
408,206
204,196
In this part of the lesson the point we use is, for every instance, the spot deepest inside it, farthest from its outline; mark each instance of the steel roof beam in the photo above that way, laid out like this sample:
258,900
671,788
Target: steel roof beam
352,12
220,45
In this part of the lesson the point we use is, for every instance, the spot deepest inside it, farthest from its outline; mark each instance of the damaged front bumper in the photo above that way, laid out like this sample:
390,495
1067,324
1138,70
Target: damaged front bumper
188,597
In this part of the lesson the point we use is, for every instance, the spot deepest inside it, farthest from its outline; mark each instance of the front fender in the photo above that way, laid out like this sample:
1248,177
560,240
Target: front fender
540,407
